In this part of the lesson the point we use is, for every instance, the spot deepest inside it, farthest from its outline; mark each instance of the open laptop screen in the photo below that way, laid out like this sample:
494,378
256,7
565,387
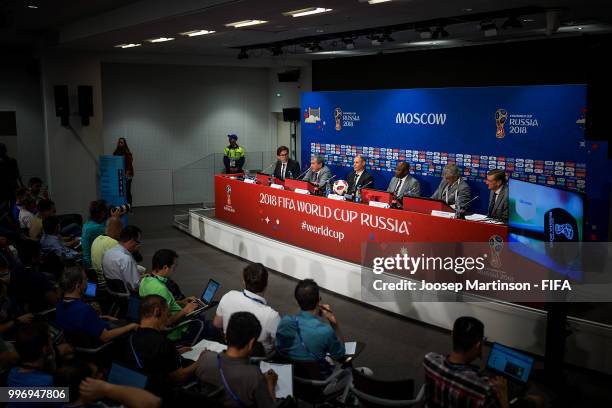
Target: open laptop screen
510,363
210,291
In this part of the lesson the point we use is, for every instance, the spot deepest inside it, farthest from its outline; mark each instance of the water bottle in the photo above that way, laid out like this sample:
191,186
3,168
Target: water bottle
327,189
358,195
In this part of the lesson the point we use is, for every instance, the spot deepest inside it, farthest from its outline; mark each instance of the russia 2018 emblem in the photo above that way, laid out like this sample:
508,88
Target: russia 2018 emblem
501,115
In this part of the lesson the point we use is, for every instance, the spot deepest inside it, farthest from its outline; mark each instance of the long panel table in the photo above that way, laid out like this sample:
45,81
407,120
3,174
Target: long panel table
332,227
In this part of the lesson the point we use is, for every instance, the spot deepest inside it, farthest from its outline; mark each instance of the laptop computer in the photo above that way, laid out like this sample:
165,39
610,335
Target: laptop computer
91,290
206,299
120,375
511,364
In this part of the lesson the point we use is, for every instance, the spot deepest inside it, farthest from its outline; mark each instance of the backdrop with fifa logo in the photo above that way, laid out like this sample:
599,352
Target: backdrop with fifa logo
535,133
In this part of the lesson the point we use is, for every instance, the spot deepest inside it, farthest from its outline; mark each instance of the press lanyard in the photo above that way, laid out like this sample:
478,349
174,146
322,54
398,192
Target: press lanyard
299,333
252,298
226,385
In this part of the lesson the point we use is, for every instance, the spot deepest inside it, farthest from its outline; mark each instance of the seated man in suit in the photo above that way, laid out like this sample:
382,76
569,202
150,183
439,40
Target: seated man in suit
359,177
498,197
318,172
403,184
285,167
453,190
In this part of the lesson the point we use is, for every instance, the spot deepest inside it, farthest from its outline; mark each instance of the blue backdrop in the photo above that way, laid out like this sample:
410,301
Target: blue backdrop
535,133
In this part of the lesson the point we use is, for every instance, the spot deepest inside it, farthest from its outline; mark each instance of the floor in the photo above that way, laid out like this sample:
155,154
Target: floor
394,345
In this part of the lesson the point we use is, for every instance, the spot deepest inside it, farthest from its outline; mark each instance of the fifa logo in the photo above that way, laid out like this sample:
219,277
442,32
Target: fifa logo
338,117
228,192
501,115
496,245
566,230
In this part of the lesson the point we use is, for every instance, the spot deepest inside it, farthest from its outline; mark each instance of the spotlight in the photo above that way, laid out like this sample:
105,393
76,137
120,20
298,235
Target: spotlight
243,54
489,28
512,22
276,51
349,44
425,33
439,32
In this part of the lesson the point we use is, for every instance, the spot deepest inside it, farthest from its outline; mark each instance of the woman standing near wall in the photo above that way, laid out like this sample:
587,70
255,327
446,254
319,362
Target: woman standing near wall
122,149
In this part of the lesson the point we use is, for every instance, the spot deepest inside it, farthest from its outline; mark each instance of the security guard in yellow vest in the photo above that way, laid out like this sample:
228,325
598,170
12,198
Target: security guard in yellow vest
234,156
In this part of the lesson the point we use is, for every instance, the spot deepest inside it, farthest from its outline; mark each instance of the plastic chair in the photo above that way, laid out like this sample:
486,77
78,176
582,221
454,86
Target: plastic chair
373,393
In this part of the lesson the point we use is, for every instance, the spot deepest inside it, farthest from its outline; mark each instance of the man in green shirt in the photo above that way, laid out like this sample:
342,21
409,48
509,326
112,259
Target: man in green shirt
164,263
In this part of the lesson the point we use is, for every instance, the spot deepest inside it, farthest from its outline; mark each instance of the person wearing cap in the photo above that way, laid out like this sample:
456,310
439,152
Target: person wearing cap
233,158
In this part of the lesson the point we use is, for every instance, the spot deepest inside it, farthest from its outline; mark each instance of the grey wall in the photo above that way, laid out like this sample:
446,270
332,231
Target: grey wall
20,91
173,115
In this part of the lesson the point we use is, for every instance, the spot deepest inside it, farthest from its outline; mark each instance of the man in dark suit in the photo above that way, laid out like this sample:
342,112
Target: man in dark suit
403,184
453,189
498,197
359,177
285,167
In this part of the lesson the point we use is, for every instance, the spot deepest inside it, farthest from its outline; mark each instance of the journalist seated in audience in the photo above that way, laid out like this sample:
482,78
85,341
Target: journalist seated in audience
102,244
85,388
52,242
119,263
149,350
68,231
251,299
164,264
94,227
36,357
8,319
31,289
314,334
243,383
26,214
79,318
452,381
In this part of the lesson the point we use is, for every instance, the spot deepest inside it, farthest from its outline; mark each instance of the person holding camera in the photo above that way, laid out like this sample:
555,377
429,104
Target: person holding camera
122,149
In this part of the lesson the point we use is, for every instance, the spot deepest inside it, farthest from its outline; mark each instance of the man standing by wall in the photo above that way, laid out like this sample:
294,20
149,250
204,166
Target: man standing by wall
233,158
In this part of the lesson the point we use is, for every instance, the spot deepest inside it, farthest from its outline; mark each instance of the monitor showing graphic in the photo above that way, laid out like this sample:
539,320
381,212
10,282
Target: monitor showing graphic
510,362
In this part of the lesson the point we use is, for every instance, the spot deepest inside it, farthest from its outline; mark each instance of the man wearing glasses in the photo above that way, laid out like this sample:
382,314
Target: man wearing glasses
285,167
119,262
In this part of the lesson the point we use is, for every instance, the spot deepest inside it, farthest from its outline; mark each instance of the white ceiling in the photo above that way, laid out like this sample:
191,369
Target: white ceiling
99,25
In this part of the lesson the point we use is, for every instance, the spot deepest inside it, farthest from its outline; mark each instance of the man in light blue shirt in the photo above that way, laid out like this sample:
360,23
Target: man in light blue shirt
51,241
307,336
119,263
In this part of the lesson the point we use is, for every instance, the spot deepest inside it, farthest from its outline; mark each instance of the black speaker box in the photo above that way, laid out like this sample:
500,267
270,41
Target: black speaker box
291,114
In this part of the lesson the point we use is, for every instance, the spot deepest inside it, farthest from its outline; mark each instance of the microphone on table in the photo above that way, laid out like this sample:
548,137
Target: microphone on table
458,213
300,176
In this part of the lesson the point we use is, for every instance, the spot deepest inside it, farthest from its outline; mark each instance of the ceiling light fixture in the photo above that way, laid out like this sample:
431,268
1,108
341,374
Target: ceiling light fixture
196,33
160,39
131,45
307,11
32,6
245,23
489,28
377,1
243,54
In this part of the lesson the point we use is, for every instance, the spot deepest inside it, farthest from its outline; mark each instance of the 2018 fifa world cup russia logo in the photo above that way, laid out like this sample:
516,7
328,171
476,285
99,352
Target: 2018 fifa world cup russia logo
496,246
501,115
338,117
228,192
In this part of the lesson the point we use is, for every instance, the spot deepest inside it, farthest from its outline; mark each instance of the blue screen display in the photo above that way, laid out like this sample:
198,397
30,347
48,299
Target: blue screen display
91,289
510,362
210,291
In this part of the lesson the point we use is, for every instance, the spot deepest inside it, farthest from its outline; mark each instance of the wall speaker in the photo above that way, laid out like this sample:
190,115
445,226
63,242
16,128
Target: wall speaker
291,114
62,104
85,93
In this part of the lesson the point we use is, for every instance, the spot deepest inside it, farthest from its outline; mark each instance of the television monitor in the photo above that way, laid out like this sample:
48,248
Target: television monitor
541,216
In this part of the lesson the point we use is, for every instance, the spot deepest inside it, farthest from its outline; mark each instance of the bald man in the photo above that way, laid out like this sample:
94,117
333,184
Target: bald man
403,184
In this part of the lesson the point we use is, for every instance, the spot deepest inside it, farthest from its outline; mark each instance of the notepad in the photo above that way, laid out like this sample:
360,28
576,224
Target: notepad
196,350
350,347
284,385
476,217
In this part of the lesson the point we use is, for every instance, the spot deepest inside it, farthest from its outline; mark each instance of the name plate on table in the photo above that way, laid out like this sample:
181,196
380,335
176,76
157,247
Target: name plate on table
443,214
378,204
301,191
336,197
277,186
249,181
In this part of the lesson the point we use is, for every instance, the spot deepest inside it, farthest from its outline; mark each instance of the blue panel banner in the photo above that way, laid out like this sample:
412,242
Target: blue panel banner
112,180
535,133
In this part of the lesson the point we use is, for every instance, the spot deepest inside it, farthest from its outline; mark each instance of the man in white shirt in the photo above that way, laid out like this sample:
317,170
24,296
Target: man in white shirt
403,184
119,263
255,280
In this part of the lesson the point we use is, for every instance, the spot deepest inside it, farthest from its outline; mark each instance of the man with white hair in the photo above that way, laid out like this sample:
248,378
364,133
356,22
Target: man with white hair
453,190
